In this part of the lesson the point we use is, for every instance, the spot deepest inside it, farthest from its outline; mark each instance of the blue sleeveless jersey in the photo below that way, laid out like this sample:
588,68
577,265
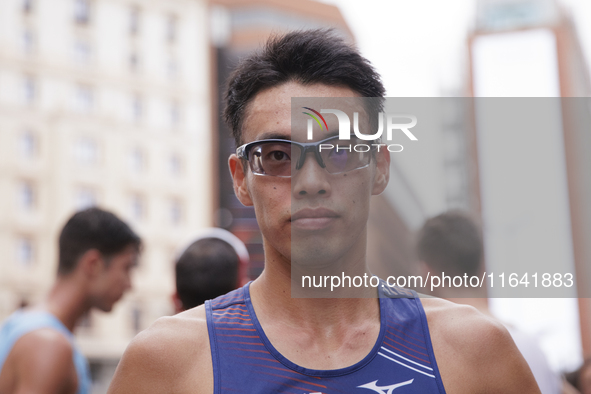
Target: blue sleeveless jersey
21,323
244,361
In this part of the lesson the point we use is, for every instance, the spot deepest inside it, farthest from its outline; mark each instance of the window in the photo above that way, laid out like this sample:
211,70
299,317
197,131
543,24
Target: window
28,42
136,318
175,116
137,160
134,21
82,11
29,89
83,98
134,62
138,207
27,144
26,195
171,28
175,212
27,6
172,68
82,51
136,108
86,151
175,165
85,198
25,252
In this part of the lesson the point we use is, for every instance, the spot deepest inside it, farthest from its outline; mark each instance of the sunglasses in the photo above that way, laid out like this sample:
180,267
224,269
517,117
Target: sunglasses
276,157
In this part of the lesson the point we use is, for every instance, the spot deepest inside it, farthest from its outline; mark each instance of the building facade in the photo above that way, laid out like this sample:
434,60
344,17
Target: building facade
102,102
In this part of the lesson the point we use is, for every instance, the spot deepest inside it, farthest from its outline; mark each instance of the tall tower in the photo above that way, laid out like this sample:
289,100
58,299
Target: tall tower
529,48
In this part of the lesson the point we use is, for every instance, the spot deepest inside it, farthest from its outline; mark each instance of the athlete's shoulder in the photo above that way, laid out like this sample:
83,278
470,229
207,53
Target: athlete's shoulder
474,352
170,356
45,338
234,297
42,361
463,328
458,321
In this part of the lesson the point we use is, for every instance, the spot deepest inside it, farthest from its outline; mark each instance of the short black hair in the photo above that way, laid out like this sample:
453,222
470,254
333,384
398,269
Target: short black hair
451,242
304,56
93,228
207,269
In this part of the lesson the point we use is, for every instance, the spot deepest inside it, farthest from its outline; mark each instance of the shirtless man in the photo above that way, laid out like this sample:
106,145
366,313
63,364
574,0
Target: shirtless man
37,351
258,339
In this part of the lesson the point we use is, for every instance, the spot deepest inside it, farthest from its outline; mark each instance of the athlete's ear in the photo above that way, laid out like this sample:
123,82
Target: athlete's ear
176,301
382,174
91,263
239,178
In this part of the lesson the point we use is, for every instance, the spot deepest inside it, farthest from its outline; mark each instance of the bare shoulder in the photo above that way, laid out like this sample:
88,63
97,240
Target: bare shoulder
171,356
41,361
45,340
475,353
461,325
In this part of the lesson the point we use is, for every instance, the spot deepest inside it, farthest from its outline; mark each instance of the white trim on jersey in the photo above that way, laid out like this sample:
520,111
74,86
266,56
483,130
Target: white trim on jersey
404,358
407,366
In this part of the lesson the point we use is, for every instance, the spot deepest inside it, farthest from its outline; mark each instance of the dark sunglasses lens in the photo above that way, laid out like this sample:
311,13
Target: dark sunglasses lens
271,158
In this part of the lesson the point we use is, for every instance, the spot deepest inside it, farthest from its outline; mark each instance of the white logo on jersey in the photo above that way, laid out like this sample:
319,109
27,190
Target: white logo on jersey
384,389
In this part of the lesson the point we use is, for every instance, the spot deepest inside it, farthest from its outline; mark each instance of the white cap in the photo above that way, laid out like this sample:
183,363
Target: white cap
224,235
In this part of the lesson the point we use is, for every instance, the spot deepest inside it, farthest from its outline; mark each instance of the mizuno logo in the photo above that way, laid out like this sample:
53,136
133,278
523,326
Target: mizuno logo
384,389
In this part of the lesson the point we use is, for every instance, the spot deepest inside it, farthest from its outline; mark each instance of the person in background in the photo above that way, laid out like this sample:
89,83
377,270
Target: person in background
209,267
37,351
452,243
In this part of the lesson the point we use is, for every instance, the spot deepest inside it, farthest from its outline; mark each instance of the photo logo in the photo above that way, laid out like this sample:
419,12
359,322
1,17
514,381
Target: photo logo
384,389
316,119
392,122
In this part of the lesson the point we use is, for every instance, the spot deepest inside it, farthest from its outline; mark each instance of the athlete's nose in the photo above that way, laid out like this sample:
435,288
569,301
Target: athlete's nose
311,179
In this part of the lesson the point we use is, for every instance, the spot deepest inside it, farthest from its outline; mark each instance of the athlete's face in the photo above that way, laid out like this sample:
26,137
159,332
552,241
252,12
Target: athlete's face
314,217
114,278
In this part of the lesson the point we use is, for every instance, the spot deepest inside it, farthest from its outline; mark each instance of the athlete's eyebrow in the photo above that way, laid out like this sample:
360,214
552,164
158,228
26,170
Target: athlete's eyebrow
273,135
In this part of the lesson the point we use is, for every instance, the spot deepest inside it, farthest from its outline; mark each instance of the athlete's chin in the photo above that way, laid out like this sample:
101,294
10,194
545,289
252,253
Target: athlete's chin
314,254
105,308
108,306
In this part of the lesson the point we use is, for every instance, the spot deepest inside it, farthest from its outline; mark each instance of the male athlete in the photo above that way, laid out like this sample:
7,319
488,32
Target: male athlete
452,243
207,268
37,350
258,339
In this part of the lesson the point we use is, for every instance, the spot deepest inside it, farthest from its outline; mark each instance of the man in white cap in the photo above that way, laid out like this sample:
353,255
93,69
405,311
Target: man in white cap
210,266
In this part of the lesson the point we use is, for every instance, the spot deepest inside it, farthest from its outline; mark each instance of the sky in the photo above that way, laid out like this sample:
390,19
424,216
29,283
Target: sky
419,46
420,49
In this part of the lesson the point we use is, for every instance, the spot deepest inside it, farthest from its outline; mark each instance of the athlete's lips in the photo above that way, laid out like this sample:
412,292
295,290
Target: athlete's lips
313,219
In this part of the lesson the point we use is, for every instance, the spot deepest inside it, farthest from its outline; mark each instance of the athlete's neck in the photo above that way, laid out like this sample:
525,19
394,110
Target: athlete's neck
67,300
326,333
271,292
